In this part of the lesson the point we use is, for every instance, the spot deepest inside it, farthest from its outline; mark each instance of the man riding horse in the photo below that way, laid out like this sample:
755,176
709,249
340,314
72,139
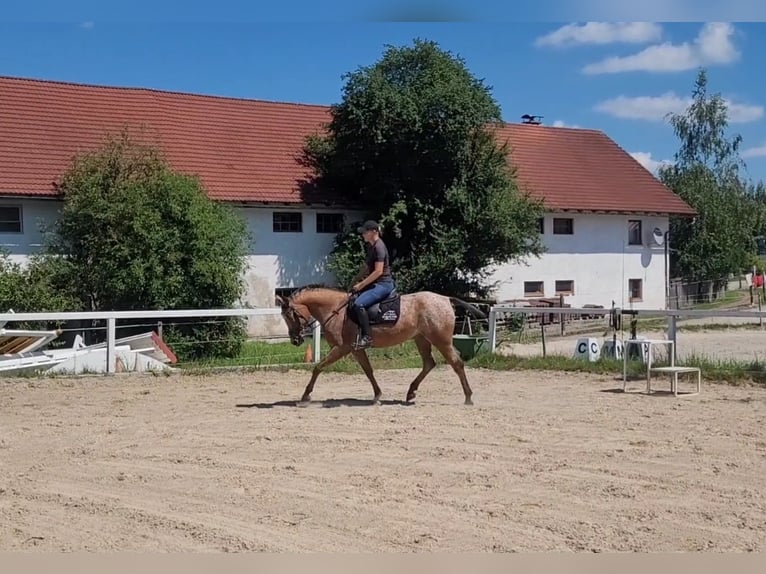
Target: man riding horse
378,282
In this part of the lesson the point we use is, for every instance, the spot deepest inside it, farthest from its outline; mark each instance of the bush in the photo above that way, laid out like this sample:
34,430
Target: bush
134,234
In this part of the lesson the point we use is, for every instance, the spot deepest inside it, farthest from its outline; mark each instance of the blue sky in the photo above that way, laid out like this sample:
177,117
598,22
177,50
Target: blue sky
619,78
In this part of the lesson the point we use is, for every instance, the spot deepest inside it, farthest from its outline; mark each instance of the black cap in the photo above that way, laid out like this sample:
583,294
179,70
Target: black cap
369,225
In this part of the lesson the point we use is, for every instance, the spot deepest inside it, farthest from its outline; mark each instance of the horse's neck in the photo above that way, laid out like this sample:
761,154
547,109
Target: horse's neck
320,304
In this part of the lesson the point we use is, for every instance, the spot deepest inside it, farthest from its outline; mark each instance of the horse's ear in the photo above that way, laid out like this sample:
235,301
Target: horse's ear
280,301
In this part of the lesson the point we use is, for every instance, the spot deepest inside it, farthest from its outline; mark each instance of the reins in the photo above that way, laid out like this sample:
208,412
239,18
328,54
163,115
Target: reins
313,321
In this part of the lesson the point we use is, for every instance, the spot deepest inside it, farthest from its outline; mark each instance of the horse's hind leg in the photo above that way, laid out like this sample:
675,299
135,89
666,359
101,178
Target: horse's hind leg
424,348
364,362
453,358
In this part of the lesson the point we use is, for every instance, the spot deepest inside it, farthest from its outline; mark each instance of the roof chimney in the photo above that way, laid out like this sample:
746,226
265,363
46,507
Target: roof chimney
531,120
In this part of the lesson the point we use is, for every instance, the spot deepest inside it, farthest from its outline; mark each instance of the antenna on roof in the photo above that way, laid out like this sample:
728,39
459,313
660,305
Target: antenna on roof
532,120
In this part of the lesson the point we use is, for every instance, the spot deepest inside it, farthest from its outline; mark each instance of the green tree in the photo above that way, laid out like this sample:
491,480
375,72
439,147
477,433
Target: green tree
134,234
412,141
706,174
29,289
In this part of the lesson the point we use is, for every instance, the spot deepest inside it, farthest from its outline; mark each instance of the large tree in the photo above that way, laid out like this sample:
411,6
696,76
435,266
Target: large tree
134,234
707,175
412,143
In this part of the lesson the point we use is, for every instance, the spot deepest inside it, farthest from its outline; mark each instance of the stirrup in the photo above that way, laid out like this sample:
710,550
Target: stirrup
362,343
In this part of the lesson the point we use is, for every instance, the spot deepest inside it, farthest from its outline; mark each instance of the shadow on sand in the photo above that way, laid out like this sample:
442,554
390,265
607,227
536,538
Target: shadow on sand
327,404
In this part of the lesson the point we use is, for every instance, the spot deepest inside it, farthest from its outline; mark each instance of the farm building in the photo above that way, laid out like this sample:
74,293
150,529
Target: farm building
605,222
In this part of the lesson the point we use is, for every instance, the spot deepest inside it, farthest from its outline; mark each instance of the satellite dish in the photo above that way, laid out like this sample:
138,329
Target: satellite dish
658,236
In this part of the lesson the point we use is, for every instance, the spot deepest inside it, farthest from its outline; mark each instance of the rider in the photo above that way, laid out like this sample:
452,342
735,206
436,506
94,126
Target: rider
378,284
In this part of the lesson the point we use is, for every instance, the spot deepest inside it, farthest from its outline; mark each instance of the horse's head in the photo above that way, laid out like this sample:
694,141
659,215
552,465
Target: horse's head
295,320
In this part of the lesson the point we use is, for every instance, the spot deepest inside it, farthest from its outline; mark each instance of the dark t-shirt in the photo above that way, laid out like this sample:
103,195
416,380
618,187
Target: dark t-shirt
378,252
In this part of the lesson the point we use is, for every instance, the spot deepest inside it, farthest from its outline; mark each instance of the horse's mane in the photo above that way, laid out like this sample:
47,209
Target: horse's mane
314,286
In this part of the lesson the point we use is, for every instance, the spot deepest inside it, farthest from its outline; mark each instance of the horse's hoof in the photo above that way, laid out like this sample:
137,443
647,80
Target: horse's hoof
303,403
468,402
376,400
410,398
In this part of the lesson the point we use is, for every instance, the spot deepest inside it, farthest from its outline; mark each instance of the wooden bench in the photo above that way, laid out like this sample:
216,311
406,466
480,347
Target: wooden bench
673,371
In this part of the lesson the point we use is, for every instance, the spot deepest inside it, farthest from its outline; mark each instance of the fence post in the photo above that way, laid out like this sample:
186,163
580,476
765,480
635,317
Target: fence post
111,362
561,316
491,326
672,336
317,341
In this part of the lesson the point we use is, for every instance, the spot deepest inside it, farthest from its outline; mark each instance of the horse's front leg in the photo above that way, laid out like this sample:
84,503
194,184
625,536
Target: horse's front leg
335,354
364,362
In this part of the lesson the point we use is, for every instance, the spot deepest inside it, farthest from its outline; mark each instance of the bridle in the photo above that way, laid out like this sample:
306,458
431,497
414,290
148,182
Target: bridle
304,323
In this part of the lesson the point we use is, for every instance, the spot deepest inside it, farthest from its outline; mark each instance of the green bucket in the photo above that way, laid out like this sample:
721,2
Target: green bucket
468,345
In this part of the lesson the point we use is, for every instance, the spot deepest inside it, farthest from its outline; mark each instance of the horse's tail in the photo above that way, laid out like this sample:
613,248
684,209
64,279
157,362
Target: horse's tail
472,309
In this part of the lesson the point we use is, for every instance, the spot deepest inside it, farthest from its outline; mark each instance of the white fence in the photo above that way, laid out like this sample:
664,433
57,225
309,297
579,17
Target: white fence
111,318
496,312
672,316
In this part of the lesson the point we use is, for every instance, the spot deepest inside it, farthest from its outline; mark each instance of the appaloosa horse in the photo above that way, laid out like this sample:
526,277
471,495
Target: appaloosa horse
426,317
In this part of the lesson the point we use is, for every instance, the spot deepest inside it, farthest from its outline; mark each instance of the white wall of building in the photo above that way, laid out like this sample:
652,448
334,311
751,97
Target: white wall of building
284,259
278,259
597,258
32,212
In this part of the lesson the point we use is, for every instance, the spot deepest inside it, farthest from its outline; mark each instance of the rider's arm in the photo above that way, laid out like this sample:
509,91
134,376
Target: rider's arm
376,272
380,257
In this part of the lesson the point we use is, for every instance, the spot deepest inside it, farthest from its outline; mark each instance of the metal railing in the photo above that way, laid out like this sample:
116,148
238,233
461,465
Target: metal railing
111,318
672,315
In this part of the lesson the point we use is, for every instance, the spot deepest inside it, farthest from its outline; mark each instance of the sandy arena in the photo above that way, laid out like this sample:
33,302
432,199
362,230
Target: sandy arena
227,463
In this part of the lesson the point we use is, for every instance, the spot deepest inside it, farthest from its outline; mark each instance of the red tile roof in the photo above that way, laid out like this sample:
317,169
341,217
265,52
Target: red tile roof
584,170
246,150
243,150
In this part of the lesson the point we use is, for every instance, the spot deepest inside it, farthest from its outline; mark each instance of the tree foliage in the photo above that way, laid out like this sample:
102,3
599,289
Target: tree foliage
707,175
29,289
134,234
412,143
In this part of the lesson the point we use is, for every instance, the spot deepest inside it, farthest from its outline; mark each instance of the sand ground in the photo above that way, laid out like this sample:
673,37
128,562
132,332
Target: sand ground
226,463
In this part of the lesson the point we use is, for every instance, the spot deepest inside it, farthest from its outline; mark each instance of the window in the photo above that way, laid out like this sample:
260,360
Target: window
564,287
329,222
635,289
10,219
563,226
634,232
290,221
541,225
533,288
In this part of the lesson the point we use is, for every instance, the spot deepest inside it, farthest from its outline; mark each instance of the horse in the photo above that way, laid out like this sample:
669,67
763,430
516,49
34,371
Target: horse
424,316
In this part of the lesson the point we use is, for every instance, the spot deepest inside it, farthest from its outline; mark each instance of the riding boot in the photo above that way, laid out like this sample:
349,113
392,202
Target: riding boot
364,324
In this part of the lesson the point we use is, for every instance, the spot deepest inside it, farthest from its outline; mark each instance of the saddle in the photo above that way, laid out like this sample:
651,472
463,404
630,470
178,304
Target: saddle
387,312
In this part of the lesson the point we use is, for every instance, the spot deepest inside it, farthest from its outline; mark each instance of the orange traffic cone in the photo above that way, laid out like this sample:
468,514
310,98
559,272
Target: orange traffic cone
309,356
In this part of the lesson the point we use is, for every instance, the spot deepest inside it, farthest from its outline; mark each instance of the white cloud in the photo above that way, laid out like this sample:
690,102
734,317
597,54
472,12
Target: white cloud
713,45
601,33
655,108
646,159
563,124
759,151
665,10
